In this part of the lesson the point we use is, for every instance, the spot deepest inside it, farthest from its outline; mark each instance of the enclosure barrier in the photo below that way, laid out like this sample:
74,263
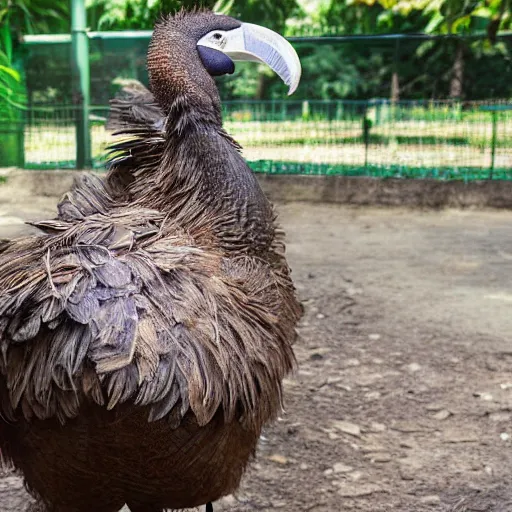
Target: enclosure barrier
439,139
413,139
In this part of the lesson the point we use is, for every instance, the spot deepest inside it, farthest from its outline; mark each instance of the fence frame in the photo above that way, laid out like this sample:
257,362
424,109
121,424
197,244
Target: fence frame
367,129
80,63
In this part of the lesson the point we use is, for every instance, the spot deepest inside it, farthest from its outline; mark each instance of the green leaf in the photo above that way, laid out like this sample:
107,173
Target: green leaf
424,48
223,6
435,22
462,22
5,40
12,72
3,13
483,12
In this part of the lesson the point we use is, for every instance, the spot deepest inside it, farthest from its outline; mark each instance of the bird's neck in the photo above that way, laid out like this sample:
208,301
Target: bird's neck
184,90
203,181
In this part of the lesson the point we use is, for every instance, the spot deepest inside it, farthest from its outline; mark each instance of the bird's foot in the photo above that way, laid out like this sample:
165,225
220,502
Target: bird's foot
209,507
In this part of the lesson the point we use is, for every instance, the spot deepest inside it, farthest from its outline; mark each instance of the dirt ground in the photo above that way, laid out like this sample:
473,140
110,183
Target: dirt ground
402,400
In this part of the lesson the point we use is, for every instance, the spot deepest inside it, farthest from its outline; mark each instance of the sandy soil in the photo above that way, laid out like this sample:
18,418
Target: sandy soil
402,400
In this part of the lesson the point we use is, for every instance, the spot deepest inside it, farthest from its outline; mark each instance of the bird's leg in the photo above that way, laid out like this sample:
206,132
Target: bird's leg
139,507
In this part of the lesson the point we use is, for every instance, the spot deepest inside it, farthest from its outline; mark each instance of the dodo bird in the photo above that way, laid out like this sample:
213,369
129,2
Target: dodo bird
145,332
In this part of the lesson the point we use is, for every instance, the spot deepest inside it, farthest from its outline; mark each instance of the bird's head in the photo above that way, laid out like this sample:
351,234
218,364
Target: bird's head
190,48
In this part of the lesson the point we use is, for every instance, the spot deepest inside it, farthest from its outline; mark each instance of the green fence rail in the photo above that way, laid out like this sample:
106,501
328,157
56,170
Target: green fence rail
416,139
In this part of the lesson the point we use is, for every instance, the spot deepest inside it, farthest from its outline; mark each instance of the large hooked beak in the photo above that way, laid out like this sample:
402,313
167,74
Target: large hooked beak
258,44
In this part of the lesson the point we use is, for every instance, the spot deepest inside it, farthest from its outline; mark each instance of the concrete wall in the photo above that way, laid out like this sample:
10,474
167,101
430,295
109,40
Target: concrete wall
328,189
23,183
388,192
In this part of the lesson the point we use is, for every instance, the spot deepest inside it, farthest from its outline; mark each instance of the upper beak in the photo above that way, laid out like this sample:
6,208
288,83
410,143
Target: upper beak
259,44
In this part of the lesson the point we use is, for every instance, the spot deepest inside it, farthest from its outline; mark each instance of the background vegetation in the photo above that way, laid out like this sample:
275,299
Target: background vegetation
328,125
450,67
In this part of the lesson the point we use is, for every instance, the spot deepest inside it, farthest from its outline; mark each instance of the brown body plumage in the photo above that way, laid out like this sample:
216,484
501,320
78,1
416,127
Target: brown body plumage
145,334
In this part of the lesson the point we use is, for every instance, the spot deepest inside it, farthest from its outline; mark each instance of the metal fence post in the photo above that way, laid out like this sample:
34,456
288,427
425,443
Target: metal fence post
81,82
367,124
305,110
493,141
21,141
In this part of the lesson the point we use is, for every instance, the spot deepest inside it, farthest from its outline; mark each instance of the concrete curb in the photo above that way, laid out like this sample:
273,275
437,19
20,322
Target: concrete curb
388,192
317,189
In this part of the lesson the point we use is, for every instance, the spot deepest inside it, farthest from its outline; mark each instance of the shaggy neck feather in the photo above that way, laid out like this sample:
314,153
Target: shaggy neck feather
202,176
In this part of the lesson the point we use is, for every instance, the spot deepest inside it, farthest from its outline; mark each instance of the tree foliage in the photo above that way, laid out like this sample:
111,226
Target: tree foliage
36,16
134,14
355,70
446,16
453,17
269,13
11,87
18,17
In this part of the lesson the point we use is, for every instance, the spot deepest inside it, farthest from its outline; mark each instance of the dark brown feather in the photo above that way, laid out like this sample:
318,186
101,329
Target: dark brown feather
145,334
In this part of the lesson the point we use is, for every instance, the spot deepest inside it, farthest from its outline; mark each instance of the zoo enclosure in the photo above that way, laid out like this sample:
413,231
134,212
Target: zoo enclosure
407,139
379,137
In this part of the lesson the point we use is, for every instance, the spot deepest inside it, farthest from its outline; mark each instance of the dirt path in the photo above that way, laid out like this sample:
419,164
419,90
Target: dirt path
403,396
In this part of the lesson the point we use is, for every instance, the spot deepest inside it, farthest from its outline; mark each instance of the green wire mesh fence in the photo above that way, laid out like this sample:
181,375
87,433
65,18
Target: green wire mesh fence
444,140
415,138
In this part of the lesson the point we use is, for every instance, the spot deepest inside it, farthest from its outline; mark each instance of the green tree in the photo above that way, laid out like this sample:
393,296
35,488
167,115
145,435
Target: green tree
271,13
18,17
12,95
134,14
11,88
448,17
37,16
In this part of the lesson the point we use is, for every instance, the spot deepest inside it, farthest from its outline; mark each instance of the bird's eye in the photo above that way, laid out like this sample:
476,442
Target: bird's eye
217,36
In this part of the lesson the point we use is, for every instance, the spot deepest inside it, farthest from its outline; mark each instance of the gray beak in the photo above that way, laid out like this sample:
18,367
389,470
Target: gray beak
259,44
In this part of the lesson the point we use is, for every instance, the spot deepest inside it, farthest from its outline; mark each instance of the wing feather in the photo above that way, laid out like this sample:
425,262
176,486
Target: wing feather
159,322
